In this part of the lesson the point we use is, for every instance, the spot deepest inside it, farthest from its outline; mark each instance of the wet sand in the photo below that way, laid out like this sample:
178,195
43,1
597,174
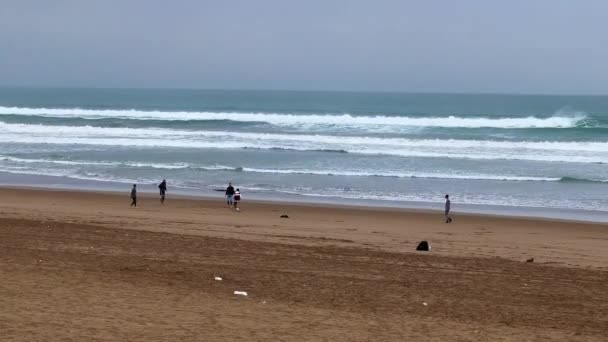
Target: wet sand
83,266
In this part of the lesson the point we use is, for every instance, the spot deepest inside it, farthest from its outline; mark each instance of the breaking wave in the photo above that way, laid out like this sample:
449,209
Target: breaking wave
562,151
321,172
298,120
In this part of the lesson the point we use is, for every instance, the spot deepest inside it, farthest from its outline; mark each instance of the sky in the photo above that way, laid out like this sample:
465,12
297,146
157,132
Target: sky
464,46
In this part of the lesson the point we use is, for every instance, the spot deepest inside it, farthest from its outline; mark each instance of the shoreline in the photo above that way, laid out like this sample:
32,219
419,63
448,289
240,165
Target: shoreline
45,182
388,229
209,198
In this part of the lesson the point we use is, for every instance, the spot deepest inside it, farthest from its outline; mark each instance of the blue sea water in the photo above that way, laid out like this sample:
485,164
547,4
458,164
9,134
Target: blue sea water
522,151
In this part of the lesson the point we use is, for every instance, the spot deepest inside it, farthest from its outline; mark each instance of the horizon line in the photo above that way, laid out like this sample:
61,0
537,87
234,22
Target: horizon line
489,93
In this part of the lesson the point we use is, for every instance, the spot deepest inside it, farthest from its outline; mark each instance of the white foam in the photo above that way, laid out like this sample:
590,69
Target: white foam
282,119
59,162
158,165
70,174
328,172
563,151
356,173
96,163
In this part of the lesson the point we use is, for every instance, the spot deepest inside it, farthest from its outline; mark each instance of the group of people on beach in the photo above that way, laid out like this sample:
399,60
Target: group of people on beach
233,197
162,187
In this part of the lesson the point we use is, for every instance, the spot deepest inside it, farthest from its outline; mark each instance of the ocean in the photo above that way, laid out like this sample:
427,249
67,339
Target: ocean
520,154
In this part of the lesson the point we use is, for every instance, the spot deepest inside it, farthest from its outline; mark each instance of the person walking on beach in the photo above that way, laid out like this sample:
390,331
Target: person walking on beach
237,199
163,189
134,195
448,218
229,195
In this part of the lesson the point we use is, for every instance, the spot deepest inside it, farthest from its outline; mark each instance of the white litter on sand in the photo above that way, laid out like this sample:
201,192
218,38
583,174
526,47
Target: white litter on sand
218,278
240,293
424,303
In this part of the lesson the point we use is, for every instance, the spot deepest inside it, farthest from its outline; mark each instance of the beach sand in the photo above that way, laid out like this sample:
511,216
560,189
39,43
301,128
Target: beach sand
83,266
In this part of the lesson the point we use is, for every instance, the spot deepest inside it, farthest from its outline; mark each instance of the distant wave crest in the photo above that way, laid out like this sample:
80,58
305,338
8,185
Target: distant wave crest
312,120
582,180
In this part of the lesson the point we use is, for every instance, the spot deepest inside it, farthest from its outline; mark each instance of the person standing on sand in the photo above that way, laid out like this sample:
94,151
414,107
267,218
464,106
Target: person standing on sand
134,195
237,199
163,189
229,195
448,204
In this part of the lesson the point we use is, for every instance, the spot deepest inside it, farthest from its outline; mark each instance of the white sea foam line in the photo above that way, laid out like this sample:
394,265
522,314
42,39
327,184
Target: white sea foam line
60,162
587,152
95,163
423,175
355,173
449,152
557,121
404,175
580,157
161,135
116,163
322,172
69,174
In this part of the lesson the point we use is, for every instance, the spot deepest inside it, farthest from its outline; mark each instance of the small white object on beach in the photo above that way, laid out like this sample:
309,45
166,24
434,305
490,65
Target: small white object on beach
424,303
218,278
240,293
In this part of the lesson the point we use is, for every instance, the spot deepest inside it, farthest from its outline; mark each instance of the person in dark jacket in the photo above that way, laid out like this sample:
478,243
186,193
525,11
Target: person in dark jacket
134,195
163,190
229,195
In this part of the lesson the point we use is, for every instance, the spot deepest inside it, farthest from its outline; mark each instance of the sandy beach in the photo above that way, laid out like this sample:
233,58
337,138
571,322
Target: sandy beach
83,266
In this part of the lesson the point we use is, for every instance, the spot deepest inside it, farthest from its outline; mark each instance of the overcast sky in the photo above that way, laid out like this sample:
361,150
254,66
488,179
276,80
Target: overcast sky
514,46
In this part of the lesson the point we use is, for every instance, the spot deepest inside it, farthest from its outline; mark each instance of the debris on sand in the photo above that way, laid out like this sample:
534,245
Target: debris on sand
424,303
424,246
218,278
284,216
530,260
240,293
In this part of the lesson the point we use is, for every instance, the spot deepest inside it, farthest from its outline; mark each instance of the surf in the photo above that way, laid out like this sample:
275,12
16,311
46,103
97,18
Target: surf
15,161
563,151
311,120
